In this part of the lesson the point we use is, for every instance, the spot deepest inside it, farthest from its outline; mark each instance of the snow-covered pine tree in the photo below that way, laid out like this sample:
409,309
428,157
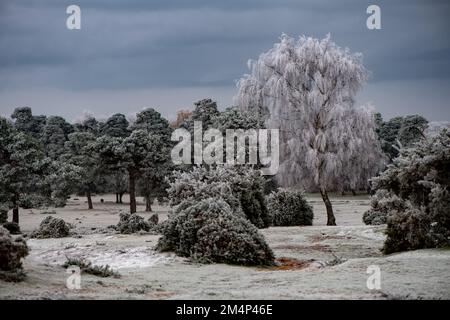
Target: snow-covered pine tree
77,152
151,182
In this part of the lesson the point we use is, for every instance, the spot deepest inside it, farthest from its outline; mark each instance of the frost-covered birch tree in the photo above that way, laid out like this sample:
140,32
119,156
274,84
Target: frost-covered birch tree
308,87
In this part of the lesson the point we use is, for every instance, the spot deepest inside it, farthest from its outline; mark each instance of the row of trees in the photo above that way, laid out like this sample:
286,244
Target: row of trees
43,159
96,157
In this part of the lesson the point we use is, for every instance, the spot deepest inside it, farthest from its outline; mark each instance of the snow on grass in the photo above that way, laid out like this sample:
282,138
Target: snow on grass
118,257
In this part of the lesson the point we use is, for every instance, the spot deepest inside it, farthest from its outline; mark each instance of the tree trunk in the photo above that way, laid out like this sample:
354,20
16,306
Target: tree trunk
120,198
331,221
89,199
353,192
117,198
15,217
132,186
148,204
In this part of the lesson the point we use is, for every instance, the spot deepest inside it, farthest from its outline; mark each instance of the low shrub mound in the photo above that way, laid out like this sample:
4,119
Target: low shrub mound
11,253
51,227
241,187
131,223
289,208
12,227
209,231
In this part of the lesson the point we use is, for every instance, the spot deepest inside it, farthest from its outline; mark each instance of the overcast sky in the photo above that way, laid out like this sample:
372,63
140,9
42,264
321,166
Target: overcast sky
167,54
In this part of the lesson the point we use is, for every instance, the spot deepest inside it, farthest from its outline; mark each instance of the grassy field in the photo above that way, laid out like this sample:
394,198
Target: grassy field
316,262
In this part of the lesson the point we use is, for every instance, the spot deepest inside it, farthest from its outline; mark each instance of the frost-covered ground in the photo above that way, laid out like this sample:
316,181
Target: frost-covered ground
319,262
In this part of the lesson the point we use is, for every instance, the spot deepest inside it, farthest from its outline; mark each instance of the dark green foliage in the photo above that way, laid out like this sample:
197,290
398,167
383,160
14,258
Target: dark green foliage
78,152
12,227
412,130
151,183
270,185
209,231
88,125
399,132
33,200
151,121
51,227
289,208
132,223
11,253
3,214
116,126
241,187
373,217
153,220
233,118
54,135
22,167
205,111
87,267
383,204
249,189
24,121
415,191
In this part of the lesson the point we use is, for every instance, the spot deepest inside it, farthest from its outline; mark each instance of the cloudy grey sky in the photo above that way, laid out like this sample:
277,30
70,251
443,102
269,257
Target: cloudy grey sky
169,53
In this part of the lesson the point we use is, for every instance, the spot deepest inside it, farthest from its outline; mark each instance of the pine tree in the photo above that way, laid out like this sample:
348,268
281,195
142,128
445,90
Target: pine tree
152,182
78,153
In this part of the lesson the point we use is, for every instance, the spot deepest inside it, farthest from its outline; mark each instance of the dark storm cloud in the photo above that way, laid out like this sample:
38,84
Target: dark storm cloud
146,45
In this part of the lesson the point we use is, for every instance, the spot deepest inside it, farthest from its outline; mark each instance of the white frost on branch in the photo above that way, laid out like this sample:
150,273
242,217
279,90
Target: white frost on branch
308,87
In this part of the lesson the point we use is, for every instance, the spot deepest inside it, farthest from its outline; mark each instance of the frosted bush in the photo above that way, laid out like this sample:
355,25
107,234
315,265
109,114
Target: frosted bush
209,231
241,187
373,217
51,227
289,208
199,184
383,204
131,223
11,253
12,227
420,178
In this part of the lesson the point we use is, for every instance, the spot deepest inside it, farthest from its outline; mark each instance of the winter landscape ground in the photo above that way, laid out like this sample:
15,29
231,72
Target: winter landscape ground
314,262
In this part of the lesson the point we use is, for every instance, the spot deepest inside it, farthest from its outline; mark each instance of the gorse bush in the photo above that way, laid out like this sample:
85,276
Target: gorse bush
12,227
289,208
383,204
414,192
51,227
11,253
241,187
209,231
132,223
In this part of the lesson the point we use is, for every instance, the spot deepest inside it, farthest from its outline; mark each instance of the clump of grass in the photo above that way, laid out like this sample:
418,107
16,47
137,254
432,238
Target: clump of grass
87,267
337,260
